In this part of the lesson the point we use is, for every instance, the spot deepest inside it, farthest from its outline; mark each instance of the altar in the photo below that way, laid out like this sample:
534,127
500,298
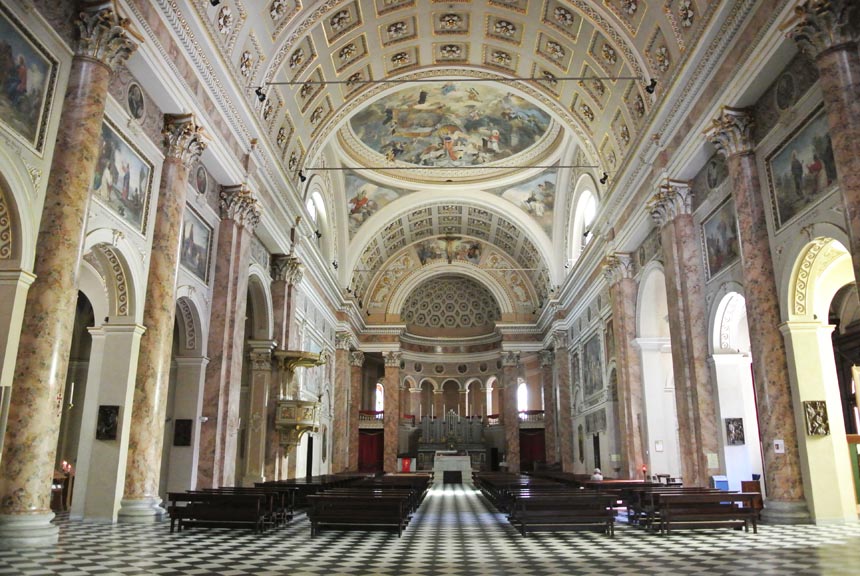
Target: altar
447,461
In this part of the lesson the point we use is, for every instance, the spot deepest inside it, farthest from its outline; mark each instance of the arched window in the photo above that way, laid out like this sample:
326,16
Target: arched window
583,220
379,404
312,209
522,397
588,210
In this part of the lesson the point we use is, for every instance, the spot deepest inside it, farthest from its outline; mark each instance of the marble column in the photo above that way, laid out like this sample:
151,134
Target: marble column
240,213
34,411
731,133
438,404
391,417
563,388
623,290
671,210
356,362
259,399
341,422
510,414
547,363
828,31
287,272
184,143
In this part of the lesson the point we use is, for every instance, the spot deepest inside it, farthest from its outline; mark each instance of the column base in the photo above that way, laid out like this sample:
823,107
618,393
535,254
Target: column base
141,511
28,530
786,512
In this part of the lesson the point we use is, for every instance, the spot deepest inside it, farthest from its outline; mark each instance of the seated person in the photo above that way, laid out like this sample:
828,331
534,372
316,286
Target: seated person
597,475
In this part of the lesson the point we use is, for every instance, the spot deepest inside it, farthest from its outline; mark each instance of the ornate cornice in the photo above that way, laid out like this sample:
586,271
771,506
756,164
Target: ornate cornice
672,200
617,266
287,268
731,131
356,358
392,359
510,358
183,138
103,35
547,358
238,203
825,24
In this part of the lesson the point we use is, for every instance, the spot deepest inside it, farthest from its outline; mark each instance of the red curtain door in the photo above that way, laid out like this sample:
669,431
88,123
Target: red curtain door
370,450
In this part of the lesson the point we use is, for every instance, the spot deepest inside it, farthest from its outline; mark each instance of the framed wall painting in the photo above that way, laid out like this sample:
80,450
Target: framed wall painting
107,423
592,369
27,78
735,432
815,415
122,180
196,245
720,244
182,430
135,101
802,170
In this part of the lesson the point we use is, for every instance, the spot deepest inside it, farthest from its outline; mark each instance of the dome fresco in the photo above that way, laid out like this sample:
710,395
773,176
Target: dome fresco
450,124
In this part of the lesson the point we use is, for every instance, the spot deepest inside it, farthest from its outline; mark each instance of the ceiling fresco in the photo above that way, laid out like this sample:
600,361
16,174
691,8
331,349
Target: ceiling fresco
365,198
450,124
535,196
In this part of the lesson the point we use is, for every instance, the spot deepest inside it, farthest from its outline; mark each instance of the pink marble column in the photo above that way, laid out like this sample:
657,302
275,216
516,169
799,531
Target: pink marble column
563,388
547,363
341,422
43,352
240,213
671,209
391,418
356,362
828,31
731,133
510,415
184,143
287,271
260,376
618,270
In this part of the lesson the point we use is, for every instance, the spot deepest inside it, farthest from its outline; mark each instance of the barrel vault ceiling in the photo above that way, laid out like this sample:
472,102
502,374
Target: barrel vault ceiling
406,152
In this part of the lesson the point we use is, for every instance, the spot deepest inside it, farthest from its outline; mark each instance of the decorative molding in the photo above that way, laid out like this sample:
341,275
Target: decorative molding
825,24
183,138
731,131
188,324
104,36
7,240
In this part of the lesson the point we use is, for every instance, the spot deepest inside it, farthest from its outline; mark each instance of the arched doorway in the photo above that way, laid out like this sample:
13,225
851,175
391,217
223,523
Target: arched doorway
732,364
658,385
820,291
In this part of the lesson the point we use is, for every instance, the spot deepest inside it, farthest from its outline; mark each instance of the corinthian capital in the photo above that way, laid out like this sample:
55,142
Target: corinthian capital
392,358
286,268
617,266
103,35
824,24
674,199
731,131
239,204
510,358
183,138
342,341
356,358
547,358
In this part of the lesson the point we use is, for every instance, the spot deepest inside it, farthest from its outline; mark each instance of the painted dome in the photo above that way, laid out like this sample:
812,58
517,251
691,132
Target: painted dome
450,124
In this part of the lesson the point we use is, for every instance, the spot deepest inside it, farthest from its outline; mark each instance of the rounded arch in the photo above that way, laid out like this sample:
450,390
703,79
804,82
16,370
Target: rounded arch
586,201
467,385
18,227
429,271
91,284
260,296
192,339
652,305
731,332
431,381
821,268
409,383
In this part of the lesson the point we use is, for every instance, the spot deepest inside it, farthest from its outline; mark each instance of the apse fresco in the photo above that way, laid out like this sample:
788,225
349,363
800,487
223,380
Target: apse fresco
365,198
536,196
450,124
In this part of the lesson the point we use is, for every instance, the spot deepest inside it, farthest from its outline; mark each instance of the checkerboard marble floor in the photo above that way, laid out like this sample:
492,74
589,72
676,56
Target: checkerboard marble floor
456,531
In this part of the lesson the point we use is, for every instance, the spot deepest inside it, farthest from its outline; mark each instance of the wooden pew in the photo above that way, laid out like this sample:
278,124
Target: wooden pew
568,511
643,503
358,511
724,510
218,510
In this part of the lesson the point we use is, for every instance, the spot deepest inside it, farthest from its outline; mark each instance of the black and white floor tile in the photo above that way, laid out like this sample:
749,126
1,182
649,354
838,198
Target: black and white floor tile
455,532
